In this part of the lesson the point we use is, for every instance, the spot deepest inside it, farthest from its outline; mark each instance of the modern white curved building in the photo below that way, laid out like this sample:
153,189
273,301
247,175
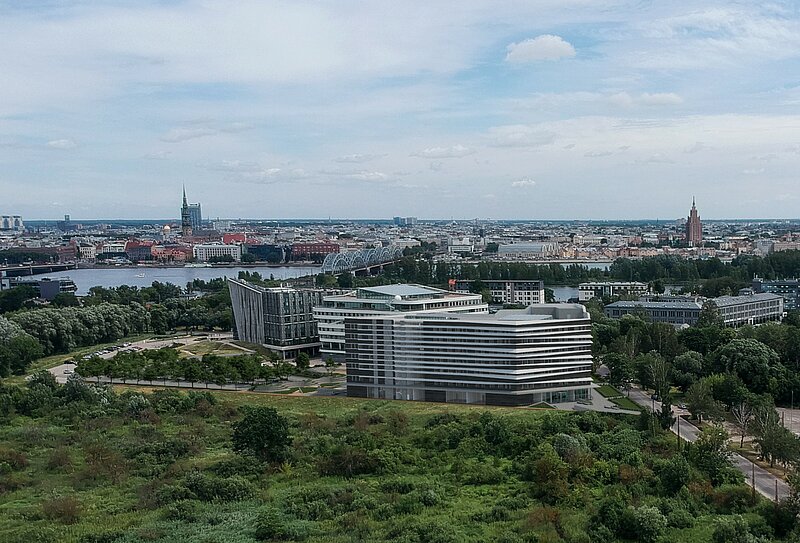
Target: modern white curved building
517,357
382,300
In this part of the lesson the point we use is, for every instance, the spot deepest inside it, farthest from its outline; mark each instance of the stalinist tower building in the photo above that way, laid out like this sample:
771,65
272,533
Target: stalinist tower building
694,228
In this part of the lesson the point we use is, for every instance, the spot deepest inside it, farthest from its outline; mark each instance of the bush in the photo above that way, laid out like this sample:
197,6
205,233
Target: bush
733,498
650,523
262,432
680,518
208,488
14,459
733,529
59,459
184,510
64,509
272,526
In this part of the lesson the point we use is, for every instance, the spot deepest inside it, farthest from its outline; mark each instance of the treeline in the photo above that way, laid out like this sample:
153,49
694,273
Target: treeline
64,330
165,363
665,269
17,348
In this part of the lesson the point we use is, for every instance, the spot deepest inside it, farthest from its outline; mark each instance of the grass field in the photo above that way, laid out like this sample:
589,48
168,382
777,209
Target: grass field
607,391
136,469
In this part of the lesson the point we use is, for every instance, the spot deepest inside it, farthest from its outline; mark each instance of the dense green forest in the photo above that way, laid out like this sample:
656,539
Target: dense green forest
667,269
82,463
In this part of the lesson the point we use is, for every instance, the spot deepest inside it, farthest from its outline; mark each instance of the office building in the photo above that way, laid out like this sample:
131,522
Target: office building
205,252
405,221
528,251
516,292
788,289
46,287
513,357
279,318
195,217
333,310
735,311
587,291
694,228
316,251
11,222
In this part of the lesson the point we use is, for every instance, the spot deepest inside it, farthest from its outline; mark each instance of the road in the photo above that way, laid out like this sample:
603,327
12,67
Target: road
765,482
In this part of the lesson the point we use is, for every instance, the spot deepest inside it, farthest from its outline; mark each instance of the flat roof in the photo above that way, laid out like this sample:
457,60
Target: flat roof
404,290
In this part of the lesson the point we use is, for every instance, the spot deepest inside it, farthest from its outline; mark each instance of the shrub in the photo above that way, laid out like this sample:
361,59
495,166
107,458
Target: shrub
64,509
185,510
733,498
348,461
272,526
263,433
674,473
13,458
650,523
680,518
733,529
59,459
209,488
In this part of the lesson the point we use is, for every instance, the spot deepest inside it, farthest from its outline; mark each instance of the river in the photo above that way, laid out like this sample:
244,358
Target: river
143,277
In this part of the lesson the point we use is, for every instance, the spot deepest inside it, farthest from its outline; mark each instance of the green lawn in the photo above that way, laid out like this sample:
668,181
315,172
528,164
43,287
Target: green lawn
626,403
607,391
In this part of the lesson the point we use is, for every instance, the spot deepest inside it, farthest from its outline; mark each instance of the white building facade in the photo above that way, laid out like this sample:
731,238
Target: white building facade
513,357
203,252
333,310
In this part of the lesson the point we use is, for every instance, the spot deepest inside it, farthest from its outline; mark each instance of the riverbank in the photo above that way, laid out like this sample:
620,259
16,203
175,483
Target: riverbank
154,265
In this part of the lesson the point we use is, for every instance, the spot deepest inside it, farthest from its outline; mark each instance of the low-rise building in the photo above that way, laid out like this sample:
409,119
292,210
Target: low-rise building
734,311
333,310
203,252
789,289
528,251
587,291
512,357
516,292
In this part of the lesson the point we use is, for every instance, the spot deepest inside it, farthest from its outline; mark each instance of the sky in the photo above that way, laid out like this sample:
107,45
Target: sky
551,109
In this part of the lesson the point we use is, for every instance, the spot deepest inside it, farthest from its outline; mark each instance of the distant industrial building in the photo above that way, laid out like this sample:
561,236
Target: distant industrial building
46,288
528,251
279,318
316,251
333,310
512,357
11,222
788,289
735,311
587,291
516,292
203,252
405,221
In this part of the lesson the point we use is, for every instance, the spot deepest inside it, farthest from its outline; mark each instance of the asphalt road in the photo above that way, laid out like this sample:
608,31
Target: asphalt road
765,481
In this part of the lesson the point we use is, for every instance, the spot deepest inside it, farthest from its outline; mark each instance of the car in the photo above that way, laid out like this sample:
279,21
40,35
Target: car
70,361
68,371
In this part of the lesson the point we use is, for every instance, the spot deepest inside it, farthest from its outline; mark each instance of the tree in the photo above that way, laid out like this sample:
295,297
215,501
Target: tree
302,361
263,433
330,363
743,415
700,401
620,368
65,299
345,280
686,369
750,359
710,316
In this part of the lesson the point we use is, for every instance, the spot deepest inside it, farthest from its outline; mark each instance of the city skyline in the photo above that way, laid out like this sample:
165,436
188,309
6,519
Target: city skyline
550,111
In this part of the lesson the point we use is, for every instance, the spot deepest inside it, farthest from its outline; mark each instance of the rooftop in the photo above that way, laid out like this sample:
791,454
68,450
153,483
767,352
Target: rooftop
403,290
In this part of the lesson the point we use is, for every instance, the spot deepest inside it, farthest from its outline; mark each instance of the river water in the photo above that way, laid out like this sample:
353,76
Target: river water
143,277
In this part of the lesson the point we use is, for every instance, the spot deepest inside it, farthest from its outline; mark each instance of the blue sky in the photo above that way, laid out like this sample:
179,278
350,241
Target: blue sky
552,109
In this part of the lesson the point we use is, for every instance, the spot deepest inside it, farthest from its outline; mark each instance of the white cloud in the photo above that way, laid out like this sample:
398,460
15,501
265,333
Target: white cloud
544,47
63,144
519,135
596,154
660,99
357,158
524,182
181,134
454,151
